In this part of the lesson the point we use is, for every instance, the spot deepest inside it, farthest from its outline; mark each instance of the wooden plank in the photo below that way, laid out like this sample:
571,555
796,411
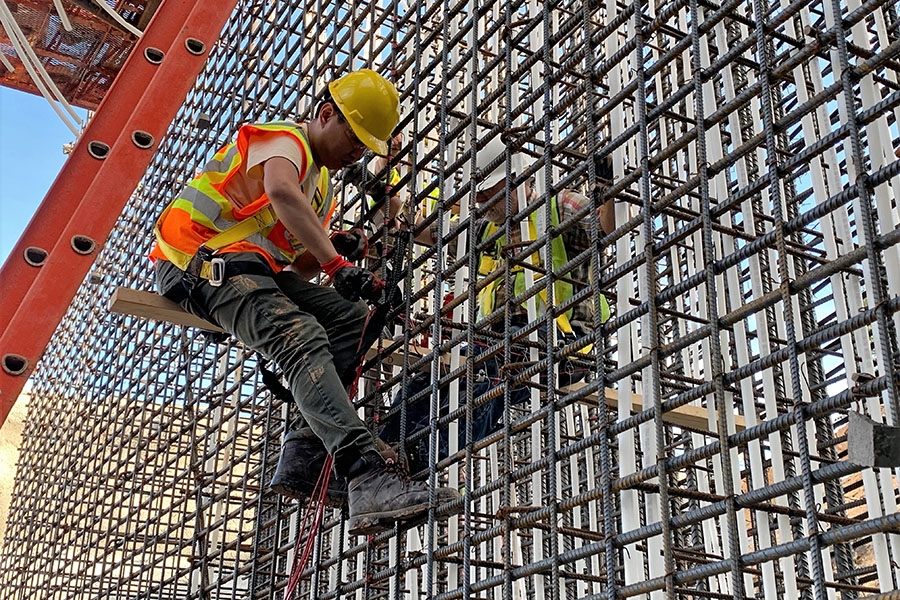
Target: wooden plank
688,416
148,305
153,306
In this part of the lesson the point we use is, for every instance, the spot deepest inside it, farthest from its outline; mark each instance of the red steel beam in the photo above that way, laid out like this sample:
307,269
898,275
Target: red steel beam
80,168
103,196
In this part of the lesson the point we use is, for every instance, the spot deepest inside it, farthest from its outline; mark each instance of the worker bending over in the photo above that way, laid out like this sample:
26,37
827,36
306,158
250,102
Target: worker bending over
262,204
573,324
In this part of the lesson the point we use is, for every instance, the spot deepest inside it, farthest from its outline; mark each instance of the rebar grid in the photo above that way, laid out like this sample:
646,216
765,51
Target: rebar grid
754,279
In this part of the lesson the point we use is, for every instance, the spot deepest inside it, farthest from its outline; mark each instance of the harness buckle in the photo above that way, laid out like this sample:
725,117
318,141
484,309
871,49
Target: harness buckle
194,269
217,272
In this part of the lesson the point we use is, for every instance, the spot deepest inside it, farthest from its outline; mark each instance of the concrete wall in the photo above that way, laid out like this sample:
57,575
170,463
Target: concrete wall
10,439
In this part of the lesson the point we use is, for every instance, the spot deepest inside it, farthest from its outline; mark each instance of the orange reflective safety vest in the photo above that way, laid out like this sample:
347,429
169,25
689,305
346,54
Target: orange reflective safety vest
201,215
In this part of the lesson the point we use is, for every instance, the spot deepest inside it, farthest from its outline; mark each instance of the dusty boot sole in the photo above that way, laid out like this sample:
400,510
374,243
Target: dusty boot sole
376,522
287,491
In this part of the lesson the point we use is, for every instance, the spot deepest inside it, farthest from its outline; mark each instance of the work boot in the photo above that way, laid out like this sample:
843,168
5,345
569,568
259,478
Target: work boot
299,466
381,494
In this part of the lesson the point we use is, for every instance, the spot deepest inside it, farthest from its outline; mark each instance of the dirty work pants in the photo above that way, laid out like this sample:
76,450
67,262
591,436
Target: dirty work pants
310,331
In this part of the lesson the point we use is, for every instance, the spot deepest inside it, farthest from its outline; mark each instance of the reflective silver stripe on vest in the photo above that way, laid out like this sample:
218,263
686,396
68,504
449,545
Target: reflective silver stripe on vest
212,210
222,217
221,165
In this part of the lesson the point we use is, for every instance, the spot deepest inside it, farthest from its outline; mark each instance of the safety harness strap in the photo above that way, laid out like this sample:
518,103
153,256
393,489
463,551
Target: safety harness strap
203,265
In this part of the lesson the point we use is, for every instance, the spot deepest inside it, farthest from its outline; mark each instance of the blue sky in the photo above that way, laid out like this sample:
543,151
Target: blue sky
31,140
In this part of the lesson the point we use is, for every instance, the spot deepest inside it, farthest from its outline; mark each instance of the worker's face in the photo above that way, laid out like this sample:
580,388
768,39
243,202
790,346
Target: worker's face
336,144
496,213
395,146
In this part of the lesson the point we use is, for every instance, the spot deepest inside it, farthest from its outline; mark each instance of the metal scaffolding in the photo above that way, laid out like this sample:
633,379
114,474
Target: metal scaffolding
79,47
754,280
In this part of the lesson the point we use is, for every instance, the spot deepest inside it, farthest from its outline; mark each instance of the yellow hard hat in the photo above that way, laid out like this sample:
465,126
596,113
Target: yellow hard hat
370,103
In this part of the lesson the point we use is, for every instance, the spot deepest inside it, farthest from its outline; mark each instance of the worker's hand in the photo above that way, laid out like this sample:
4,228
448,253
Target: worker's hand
379,192
405,215
358,175
353,282
354,173
352,245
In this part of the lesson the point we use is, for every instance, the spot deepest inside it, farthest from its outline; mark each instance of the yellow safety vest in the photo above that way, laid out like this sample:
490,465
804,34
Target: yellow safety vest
490,261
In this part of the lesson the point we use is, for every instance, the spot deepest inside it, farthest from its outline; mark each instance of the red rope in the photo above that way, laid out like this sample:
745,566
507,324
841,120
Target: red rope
309,528
353,387
315,510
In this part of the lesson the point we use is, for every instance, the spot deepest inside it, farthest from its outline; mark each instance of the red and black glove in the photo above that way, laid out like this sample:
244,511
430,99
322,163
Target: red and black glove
353,282
352,245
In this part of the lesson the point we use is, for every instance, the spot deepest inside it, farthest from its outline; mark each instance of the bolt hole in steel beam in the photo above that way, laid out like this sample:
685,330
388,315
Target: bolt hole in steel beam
15,364
142,139
83,244
154,55
194,46
35,256
98,150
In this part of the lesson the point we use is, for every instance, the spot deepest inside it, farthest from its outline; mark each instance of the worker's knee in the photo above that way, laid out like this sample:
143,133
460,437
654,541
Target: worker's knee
301,339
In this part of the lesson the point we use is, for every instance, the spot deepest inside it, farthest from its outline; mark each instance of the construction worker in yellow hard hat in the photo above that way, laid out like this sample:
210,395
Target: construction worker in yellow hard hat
261,205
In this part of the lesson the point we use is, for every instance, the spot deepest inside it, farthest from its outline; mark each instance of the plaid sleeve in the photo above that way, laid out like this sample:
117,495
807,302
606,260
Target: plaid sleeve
577,238
570,202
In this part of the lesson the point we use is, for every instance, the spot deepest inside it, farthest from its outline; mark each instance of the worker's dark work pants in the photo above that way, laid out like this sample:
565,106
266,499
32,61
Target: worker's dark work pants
310,331
487,417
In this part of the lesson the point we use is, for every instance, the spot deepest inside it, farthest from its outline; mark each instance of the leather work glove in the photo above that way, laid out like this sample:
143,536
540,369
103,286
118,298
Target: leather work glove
352,245
354,173
353,282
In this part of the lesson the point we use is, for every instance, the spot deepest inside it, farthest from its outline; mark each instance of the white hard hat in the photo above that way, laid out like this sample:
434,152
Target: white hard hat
494,149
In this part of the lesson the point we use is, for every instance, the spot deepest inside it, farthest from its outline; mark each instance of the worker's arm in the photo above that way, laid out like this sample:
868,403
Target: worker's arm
607,214
389,177
428,235
297,215
294,209
306,266
607,210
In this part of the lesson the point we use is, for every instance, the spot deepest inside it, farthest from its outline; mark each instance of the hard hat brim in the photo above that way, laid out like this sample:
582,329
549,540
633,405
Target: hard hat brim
496,176
377,146
493,150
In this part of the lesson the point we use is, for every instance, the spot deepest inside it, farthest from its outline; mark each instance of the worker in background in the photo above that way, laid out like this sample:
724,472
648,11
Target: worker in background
379,186
490,197
237,246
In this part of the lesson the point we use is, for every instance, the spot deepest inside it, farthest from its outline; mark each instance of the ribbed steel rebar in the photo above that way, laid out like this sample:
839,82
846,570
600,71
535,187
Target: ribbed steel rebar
701,453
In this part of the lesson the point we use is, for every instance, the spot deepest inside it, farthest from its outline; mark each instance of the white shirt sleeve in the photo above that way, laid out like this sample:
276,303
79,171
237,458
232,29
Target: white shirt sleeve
269,145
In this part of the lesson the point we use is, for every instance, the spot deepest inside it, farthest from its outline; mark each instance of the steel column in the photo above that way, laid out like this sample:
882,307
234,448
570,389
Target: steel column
103,196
